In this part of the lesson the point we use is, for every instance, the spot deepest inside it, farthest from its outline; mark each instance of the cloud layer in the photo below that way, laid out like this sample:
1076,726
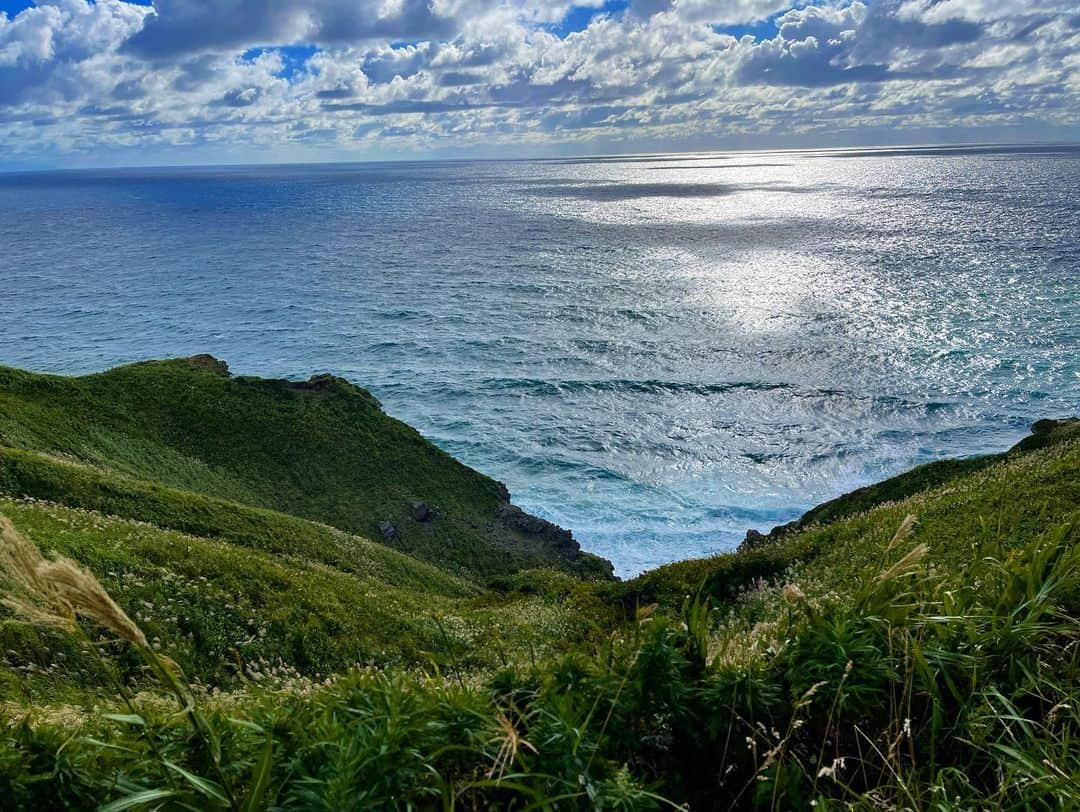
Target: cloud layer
113,80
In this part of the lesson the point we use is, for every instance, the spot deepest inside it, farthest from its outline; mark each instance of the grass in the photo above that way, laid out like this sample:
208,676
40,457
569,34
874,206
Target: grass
903,694
967,505
233,616
321,450
911,645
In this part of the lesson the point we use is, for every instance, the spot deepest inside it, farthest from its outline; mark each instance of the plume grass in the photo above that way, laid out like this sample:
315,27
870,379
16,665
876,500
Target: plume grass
56,592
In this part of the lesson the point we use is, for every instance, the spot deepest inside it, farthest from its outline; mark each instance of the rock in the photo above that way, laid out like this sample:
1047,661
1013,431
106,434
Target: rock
504,493
328,384
512,523
753,540
514,518
1046,425
206,361
388,530
323,382
421,511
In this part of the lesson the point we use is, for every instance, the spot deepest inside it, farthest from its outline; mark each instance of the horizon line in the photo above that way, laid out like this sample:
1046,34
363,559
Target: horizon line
914,147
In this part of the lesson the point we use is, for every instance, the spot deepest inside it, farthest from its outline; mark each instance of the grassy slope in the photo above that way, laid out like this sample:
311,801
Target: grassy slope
246,588
207,505
222,610
950,684
322,450
964,507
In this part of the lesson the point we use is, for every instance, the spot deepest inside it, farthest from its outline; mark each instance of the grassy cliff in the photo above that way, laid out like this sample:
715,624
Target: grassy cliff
910,645
172,442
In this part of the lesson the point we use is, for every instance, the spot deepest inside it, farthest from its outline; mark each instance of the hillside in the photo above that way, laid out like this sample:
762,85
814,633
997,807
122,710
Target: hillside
913,644
169,432
967,509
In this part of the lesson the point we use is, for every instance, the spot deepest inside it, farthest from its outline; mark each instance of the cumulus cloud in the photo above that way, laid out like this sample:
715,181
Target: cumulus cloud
66,30
416,75
186,26
718,12
856,43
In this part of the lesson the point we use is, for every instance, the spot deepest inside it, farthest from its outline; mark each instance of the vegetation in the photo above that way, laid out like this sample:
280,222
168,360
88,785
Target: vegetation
912,645
174,432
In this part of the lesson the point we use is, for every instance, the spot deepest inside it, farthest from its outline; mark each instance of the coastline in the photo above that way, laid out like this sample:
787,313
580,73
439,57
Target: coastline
293,566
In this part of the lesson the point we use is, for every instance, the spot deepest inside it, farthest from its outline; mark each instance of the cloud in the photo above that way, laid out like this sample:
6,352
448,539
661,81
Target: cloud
45,47
66,30
820,46
729,12
190,26
110,77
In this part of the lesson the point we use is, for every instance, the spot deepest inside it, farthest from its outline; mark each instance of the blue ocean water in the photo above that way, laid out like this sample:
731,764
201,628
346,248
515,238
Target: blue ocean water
658,352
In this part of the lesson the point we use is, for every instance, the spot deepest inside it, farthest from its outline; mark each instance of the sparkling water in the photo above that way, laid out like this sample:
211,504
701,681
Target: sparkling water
658,352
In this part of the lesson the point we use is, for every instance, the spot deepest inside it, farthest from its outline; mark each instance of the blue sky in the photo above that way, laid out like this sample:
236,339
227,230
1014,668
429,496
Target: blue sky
111,82
578,17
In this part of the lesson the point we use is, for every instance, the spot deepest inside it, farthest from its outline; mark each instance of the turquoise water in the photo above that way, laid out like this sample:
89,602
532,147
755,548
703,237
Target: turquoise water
657,352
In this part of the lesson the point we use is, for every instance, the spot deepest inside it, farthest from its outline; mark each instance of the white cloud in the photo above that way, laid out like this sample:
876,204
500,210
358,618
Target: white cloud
66,30
436,74
727,12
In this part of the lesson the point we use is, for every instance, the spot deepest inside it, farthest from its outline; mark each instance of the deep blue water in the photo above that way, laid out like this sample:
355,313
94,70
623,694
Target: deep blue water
658,352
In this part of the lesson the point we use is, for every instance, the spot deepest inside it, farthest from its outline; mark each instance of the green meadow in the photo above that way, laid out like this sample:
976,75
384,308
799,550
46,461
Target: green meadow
225,592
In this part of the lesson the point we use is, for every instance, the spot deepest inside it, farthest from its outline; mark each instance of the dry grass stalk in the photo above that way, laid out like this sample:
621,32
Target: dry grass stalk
510,742
792,594
903,531
905,564
55,592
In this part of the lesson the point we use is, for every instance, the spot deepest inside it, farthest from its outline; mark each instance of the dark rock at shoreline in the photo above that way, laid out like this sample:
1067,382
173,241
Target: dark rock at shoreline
753,540
556,538
513,523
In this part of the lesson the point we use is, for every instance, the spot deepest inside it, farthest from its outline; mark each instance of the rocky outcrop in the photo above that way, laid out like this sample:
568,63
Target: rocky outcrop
207,361
421,511
555,538
753,540
513,522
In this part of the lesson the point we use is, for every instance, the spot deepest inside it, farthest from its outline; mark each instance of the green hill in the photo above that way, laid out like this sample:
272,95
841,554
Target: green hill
323,450
913,644
966,508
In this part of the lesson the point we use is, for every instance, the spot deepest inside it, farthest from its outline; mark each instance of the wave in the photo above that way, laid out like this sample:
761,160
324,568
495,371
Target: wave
535,386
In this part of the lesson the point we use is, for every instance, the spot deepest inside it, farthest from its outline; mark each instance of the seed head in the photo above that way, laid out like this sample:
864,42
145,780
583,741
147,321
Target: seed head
54,592
792,594
903,531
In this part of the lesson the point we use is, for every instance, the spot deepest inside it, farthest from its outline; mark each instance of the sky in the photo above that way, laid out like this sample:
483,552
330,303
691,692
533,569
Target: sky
110,82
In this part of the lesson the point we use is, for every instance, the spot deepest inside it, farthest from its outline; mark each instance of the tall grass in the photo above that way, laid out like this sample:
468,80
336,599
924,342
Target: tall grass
915,691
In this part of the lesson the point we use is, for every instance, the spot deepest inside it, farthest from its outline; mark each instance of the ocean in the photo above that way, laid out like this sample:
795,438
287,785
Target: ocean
658,352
